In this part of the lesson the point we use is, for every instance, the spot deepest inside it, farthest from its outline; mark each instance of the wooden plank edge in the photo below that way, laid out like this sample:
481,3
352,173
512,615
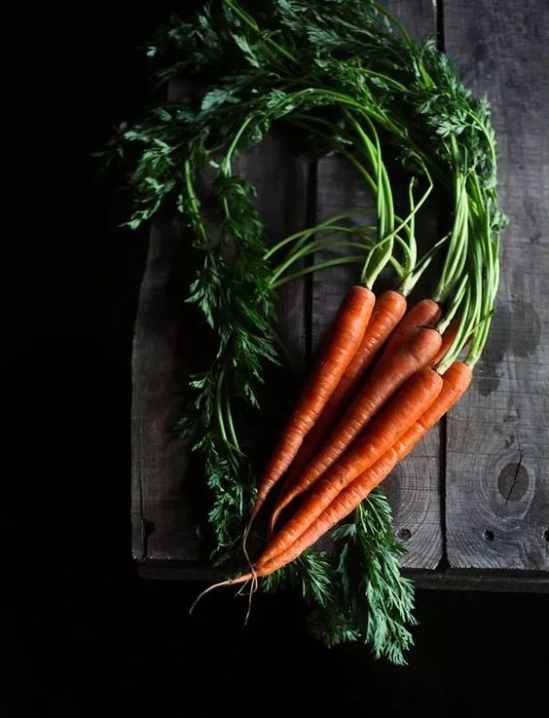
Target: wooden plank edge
448,579
493,580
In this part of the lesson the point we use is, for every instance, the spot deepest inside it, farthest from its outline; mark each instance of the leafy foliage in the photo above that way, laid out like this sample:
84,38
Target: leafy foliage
372,602
246,66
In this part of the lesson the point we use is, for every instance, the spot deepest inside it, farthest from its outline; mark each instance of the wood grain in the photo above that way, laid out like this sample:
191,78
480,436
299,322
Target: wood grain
163,526
498,438
168,511
414,486
281,178
497,453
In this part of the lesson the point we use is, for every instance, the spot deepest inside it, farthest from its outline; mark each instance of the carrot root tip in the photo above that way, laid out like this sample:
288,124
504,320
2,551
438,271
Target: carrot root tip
229,582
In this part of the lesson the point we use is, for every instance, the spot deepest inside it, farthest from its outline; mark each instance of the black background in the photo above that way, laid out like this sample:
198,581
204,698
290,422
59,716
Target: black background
88,636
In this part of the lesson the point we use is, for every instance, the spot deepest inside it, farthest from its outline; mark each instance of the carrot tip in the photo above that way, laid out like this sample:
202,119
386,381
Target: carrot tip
274,519
229,582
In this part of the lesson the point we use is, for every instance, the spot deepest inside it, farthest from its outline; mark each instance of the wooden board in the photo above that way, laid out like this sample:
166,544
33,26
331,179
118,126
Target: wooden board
414,486
497,505
162,504
165,519
475,493
166,515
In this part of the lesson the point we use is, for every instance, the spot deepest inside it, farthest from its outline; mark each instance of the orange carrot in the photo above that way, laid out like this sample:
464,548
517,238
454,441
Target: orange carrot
387,313
344,339
404,409
386,378
424,313
340,507
455,383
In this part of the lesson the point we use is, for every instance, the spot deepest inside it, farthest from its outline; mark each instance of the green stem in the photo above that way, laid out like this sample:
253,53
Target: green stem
314,268
311,249
195,204
412,254
452,311
234,144
325,225
410,281
457,250
232,431
219,407
377,258
235,7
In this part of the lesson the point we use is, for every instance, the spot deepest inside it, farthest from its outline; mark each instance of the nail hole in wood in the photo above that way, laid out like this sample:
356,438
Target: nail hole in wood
403,534
488,535
545,534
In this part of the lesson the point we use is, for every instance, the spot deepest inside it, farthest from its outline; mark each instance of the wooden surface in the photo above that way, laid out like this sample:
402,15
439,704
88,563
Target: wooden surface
167,519
414,487
497,481
473,498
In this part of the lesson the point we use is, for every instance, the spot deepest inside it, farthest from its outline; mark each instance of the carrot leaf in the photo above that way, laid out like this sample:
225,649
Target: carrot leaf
372,601
344,77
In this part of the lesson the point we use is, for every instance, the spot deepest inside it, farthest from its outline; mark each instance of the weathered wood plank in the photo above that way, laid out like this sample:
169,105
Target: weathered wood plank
281,178
449,579
498,438
413,488
164,525
166,511
161,496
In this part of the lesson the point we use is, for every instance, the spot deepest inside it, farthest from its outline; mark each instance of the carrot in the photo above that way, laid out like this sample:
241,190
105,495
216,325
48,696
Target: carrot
404,409
455,383
344,339
388,311
340,507
426,312
386,378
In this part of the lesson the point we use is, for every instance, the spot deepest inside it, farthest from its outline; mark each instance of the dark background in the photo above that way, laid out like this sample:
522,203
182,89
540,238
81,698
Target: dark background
88,635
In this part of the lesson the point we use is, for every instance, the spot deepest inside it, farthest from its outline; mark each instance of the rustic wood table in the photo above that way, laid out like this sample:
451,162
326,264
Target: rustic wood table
472,501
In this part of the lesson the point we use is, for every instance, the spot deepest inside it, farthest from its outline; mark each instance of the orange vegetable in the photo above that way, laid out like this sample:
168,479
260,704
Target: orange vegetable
424,313
387,313
404,409
345,335
455,383
387,377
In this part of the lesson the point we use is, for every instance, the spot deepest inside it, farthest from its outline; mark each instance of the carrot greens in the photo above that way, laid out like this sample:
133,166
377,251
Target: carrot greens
344,77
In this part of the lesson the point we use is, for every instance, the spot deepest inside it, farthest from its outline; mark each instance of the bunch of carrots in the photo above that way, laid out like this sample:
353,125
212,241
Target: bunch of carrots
342,76
386,374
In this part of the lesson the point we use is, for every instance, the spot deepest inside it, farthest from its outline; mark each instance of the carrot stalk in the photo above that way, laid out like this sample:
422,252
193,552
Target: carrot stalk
344,339
305,532
417,394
